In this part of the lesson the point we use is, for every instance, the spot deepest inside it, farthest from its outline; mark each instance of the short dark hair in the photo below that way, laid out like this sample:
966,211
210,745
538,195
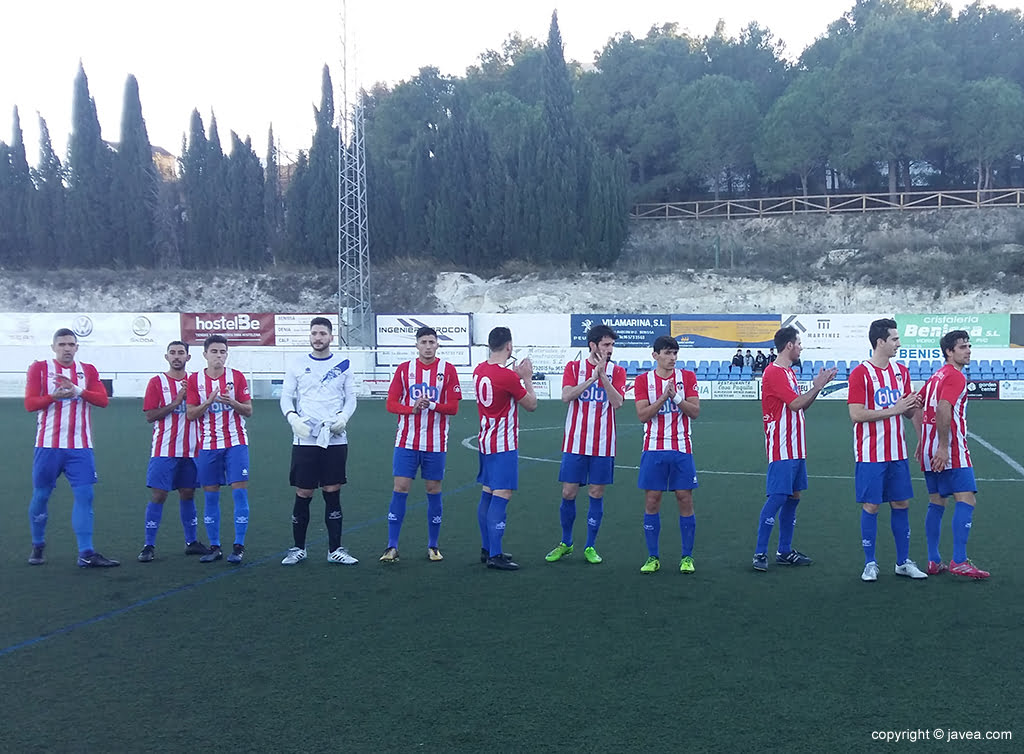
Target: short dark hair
597,333
665,343
879,330
949,340
64,331
214,339
323,322
177,343
784,336
498,337
425,331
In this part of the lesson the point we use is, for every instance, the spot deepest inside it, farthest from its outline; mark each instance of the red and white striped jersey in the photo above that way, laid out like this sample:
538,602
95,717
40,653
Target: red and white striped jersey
498,390
590,420
784,437
669,429
425,430
174,436
947,384
220,426
875,388
63,423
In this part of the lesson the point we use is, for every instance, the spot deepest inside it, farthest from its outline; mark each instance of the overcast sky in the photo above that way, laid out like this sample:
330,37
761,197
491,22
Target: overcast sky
258,61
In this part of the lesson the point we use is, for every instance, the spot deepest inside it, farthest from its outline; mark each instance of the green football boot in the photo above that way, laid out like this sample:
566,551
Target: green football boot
559,552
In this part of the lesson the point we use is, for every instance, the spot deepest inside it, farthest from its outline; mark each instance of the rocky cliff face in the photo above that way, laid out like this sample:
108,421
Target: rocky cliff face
953,260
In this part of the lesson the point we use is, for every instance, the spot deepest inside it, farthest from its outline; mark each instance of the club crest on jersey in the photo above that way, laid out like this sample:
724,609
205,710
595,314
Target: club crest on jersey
420,389
886,396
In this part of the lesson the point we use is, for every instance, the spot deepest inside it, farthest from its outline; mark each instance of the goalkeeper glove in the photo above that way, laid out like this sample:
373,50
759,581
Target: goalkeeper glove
299,426
339,424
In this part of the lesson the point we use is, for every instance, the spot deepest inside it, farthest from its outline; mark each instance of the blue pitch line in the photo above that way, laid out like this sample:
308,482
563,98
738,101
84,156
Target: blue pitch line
185,587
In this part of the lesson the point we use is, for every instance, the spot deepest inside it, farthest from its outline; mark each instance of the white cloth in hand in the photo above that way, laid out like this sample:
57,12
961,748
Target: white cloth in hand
339,424
323,435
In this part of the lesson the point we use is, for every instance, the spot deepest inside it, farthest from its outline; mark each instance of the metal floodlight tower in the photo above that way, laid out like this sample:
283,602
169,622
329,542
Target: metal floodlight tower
353,240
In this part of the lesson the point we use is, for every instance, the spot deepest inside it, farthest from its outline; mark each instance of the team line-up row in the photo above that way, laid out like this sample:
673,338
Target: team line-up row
200,441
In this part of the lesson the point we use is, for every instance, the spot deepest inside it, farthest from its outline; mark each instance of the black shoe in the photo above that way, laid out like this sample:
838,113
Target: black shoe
502,562
214,554
95,560
485,555
196,548
237,551
37,557
148,554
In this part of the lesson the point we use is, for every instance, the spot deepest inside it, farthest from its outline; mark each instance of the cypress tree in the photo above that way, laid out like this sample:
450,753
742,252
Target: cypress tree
17,198
48,212
135,183
273,201
322,199
89,179
199,212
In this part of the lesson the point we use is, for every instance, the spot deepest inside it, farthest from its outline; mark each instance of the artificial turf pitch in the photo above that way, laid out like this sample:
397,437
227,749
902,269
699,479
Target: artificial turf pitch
451,656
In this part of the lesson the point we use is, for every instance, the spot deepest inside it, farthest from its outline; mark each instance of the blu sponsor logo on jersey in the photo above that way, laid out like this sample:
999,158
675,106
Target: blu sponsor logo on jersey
420,389
594,394
887,396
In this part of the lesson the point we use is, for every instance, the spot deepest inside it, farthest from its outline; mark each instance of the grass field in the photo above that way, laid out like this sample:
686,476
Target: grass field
452,657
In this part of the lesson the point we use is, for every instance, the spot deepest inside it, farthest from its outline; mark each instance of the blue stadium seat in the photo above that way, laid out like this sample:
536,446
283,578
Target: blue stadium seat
703,365
747,371
843,366
830,363
985,365
735,375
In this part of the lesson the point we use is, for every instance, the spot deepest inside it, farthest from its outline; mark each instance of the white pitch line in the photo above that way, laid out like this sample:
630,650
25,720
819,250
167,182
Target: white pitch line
469,443
986,444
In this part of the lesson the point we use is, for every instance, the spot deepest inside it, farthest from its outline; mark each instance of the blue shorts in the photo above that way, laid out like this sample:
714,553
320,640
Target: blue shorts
883,482
786,477
499,471
431,464
171,474
224,466
580,469
667,470
77,464
945,483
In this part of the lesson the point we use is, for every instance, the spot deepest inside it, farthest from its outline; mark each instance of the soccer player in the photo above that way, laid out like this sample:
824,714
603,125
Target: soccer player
500,392
62,392
424,392
594,388
666,401
945,459
318,398
880,396
783,405
175,444
219,399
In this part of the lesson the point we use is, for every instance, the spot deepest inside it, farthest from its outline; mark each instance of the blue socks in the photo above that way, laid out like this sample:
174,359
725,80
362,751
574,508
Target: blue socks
868,534
37,515
481,519
189,520
241,497
787,523
899,520
933,529
594,516
496,524
396,514
154,512
687,529
652,532
764,529
211,516
434,511
962,515
81,517
567,512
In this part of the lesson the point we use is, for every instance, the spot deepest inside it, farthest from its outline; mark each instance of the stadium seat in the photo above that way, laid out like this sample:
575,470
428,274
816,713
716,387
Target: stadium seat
647,366
830,363
703,365
747,372
735,375
843,366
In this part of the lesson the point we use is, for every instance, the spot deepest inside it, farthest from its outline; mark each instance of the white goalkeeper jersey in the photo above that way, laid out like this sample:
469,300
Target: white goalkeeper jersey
319,390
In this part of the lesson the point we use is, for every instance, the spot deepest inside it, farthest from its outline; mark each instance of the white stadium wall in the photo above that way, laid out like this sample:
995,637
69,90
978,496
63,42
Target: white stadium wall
128,348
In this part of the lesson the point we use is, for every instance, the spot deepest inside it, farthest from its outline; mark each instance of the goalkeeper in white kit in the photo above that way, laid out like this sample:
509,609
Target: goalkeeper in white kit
318,399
